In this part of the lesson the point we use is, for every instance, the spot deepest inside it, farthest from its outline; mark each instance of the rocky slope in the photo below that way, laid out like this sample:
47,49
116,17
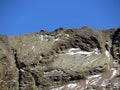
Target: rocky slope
66,59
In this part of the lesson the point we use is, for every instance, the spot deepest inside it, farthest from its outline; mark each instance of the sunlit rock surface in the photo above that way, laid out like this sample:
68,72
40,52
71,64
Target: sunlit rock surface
66,59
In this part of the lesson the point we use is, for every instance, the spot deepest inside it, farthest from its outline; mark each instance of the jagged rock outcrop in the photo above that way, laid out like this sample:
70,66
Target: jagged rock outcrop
66,59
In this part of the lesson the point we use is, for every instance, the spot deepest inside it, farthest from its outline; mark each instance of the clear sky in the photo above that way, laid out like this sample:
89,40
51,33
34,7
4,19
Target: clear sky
28,16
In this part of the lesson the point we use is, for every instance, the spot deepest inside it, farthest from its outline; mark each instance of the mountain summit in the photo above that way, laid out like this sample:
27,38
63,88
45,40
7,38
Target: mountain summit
66,59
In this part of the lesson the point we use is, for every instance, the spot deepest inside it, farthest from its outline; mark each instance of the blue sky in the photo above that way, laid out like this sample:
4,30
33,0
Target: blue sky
28,16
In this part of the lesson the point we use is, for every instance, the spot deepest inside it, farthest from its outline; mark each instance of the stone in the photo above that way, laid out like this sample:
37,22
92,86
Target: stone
60,59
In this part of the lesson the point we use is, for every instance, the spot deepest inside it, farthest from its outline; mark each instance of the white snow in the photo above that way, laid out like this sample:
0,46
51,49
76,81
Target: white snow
40,57
114,72
31,69
96,51
68,86
80,52
59,88
22,70
13,80
67,35
76,51
53,71
107,42
57,39
33,48
46,73
117,53
46,35
41,37
107,53
94,76
71,86
87,81
73,49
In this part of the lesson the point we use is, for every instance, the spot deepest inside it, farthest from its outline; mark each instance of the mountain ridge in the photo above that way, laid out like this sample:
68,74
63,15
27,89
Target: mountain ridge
66,59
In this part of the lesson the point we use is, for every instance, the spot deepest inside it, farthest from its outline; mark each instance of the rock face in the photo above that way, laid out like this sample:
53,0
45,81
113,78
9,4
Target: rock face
66,59
8,70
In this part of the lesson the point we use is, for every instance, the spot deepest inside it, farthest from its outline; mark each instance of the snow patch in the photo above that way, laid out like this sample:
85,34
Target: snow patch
67,35
22,70
117,53
57,39
31,69
113,73
107,53
53,71
59,88
41,37
96,51
87,82
94,76
73,49
76,51
13,80
68,86
71,86
40,57
33,48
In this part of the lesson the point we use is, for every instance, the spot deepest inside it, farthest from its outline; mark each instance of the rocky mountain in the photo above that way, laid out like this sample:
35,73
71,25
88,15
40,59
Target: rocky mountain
66,59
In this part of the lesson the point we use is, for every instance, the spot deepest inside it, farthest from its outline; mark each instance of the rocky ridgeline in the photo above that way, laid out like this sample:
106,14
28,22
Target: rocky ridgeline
66,59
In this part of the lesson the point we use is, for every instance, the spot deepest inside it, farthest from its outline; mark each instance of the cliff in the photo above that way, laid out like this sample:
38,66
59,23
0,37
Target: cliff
66,59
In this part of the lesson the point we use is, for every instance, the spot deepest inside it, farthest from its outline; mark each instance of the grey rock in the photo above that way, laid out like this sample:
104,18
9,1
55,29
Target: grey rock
70,59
